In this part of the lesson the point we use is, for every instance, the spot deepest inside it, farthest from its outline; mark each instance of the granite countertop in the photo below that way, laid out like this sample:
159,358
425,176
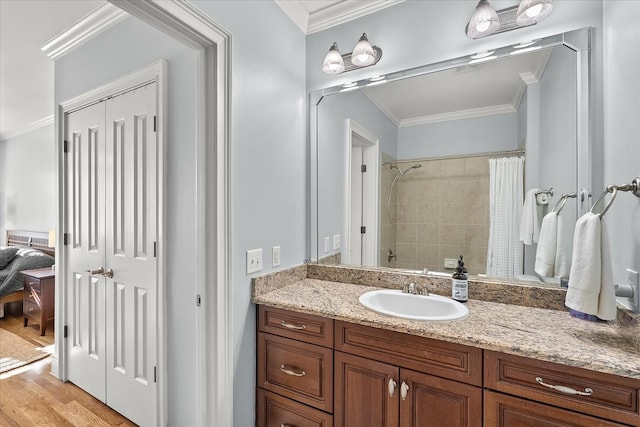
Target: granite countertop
543,334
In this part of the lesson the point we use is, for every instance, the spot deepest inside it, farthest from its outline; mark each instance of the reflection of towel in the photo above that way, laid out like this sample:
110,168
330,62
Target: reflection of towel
591,288
530,222
553,256
547,245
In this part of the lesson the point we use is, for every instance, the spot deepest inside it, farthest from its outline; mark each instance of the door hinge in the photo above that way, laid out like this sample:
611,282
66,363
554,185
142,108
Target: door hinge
64,331
198,300
155,374
363,168
155,123
65,239
65,146
155,249
363,229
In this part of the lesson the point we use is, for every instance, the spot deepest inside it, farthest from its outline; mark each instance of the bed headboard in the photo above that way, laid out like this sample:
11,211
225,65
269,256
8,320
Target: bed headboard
30,239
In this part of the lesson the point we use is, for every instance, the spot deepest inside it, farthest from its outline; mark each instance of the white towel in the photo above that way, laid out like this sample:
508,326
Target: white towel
547,246
591,288
562,264
530,221
553,254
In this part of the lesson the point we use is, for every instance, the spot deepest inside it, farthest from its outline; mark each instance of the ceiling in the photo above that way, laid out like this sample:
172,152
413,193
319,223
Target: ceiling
26,73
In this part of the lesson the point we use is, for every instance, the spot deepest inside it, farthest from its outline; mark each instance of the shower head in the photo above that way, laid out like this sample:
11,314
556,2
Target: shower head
401,172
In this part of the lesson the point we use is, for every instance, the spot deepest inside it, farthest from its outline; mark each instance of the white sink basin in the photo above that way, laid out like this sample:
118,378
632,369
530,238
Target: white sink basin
416,307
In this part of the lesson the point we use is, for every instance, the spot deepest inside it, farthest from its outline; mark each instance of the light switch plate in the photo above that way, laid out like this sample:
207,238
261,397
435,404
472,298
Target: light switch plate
254,261
275,256
327,244
450,263
337,241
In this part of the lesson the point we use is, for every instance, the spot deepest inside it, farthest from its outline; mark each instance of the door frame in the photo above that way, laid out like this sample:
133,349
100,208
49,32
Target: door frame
214,347
372,159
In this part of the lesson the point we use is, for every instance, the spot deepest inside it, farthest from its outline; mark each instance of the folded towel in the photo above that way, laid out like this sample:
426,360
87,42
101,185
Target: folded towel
591,288
530,221
547,245
562,264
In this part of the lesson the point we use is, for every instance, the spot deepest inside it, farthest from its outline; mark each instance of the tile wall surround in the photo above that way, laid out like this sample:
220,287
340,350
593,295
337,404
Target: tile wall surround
388,213
442,211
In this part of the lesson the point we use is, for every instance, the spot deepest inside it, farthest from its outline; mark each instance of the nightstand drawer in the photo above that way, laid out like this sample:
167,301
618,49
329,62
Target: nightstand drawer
32,295
594,393
30,282
31,308
300,371
299,326
276,411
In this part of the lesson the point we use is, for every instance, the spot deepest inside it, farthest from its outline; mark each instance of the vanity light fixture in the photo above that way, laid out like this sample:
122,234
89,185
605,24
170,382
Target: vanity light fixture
486,20
349,86
363,55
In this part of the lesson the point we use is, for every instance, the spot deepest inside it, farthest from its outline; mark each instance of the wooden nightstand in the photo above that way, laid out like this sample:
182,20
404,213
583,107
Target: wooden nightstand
39,295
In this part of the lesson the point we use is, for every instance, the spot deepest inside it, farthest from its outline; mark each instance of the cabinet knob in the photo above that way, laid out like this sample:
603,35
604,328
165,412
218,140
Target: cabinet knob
392,387
404,389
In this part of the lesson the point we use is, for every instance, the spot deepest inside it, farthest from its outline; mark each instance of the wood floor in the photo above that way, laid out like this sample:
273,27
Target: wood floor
36,398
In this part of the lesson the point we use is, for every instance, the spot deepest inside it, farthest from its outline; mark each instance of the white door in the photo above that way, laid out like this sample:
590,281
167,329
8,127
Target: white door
123,363
356,235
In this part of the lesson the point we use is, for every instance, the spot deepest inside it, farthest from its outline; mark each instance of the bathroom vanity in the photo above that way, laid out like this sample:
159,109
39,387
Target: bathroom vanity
325,360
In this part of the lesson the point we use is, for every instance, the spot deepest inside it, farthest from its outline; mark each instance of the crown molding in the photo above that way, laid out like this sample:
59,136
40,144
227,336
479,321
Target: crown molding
332,15
458,115
88,27
28,128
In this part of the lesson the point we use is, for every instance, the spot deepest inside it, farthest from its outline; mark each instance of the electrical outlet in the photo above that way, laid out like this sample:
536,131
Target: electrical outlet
337,241
450,263
275,256
254,260
327,244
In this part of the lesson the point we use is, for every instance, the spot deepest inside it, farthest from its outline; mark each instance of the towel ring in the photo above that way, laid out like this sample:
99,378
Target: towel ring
614,192
563,199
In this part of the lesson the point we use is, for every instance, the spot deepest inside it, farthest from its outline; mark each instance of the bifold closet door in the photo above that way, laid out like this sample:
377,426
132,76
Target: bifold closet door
111,269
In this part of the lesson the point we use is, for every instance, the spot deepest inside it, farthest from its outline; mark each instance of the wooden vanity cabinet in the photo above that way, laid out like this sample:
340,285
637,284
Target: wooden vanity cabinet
379,384
599,399
295,369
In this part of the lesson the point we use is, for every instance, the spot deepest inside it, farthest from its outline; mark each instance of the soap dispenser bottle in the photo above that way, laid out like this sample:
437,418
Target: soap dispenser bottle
460,283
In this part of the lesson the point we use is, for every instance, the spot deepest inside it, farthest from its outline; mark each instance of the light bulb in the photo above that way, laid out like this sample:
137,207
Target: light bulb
533,11
333,62
483,26
363,53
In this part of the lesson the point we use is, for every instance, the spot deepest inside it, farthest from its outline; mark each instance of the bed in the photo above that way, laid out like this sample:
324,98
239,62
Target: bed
24,250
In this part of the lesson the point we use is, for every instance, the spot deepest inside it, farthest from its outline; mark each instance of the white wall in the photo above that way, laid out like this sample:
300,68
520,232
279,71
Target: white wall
622,130
28,182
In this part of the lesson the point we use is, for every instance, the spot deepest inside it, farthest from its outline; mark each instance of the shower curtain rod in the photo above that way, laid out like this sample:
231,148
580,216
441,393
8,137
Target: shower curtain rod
427,159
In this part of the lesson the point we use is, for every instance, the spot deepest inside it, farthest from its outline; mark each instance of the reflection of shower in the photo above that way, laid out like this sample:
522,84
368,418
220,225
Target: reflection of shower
399,173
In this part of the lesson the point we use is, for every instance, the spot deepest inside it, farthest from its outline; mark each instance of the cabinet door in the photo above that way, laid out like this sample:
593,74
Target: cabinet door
363,397
508,411
426,400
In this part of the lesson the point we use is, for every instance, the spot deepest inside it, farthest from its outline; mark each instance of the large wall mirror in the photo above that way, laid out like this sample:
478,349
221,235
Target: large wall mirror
414,169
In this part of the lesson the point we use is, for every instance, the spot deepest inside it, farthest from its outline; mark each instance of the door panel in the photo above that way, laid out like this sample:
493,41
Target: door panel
131,212
84,202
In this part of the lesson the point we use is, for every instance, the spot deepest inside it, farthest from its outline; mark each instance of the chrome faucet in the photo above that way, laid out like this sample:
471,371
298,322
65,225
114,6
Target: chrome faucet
415,289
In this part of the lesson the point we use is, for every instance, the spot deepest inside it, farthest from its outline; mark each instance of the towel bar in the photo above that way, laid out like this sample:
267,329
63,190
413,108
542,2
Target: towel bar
563,199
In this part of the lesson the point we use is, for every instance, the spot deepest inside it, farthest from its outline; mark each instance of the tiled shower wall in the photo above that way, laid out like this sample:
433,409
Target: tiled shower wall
388,213
438,211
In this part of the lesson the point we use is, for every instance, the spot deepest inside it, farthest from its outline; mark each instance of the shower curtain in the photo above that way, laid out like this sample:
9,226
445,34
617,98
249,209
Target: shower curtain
504,254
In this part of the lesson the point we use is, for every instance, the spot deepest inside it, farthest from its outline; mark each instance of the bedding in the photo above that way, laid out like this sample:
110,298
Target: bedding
24,259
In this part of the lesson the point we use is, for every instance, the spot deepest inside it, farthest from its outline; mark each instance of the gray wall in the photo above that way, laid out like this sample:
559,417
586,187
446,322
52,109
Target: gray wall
621,130
27,182
497,132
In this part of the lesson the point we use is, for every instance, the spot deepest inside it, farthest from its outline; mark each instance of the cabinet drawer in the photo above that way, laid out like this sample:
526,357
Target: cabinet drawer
277,411
454,361
31,309
503,410
30,282
32,295
300,371
299,326
612,397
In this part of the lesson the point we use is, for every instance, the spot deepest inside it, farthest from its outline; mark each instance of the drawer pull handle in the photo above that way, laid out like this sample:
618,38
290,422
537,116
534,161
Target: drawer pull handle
289,371
392,387
286,425
404,388
566,390
290,326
